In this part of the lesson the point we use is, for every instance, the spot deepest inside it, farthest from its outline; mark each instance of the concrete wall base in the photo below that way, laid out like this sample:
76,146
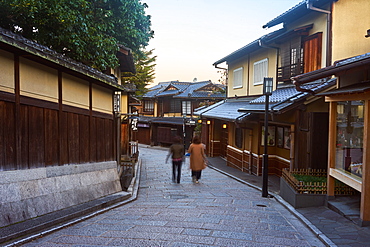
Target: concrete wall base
300,200
27,194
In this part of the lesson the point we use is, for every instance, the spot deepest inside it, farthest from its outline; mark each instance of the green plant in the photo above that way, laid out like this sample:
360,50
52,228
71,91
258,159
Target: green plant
308,178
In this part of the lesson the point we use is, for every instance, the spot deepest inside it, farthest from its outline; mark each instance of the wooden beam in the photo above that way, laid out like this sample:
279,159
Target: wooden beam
346,178
365,193
18,134
348,97
332,145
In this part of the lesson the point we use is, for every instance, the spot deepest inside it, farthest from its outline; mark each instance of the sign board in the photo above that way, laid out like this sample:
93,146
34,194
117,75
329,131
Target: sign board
117,103
134,124
190,122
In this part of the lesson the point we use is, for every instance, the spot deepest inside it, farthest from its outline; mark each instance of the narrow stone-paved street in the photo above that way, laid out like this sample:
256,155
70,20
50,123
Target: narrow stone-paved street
218,211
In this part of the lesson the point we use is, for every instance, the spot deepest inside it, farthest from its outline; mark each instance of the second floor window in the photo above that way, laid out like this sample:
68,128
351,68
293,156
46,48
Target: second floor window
260,69
186,107
238,78
148,106
175,106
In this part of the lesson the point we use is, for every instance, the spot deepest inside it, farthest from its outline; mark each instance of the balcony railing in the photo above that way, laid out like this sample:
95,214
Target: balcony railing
288,71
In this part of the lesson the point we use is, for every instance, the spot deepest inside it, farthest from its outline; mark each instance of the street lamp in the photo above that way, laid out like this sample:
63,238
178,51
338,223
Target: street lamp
267,91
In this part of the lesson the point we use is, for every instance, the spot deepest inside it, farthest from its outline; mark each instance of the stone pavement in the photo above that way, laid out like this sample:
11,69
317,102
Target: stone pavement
219,211
339,230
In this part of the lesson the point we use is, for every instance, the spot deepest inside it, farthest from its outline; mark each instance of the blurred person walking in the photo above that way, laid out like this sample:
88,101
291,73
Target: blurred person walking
197,158
176,152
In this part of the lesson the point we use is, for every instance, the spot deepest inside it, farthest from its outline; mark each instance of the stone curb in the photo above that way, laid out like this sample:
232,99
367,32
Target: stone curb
27,231
323,238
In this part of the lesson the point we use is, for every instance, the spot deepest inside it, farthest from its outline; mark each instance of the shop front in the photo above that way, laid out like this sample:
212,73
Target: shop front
349,122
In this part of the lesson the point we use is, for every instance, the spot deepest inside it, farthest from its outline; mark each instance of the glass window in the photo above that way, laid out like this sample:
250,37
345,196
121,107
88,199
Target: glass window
350,134
238,137
175,106
260,71
238,78
148,106
186,107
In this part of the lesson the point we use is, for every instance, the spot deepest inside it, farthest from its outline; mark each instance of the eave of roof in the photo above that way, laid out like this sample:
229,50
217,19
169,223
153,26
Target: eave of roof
183,90
337,67
352,89
162,120
251,47
126,59
284,99
17,43
295,13
225,110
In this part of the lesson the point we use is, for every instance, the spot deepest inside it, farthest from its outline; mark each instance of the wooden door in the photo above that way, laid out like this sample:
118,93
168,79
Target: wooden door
223,142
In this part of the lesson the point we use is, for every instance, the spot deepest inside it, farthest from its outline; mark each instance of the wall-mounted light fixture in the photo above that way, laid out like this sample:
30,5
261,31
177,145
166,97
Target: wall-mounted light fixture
199,120
208,121
224,126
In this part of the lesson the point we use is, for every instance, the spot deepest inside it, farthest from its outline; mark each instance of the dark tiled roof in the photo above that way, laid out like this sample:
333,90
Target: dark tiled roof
18,42
152,93
352,60
168,93
356,88
284,98
338,66
162,120
206,94
184,90
169,120
225,110
202,90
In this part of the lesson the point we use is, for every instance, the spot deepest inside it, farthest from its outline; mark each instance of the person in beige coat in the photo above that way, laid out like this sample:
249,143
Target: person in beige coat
197,158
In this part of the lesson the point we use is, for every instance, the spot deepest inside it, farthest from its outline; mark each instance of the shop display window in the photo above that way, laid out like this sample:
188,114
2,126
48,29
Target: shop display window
350,134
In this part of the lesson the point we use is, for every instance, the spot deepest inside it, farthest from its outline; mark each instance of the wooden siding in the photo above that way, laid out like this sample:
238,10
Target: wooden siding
234,158
142,135
46,140
215,148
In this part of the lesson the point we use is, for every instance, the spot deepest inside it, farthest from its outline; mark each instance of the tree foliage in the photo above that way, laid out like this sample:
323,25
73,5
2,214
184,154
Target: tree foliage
145,63
85,30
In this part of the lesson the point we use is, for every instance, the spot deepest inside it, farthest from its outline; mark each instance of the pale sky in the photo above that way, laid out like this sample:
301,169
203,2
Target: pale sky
190,35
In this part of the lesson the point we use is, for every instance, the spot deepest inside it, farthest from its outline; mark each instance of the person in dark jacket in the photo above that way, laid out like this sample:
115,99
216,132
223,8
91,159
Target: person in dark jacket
176,152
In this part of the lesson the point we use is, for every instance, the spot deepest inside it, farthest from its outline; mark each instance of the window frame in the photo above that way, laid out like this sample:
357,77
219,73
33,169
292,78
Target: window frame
258,77
187,106
238,137
148,106
238,74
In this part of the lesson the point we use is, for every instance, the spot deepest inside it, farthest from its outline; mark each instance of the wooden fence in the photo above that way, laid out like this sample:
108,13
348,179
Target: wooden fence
314,187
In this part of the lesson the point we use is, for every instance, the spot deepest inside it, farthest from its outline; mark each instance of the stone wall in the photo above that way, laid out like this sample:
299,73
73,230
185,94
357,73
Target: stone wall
26,194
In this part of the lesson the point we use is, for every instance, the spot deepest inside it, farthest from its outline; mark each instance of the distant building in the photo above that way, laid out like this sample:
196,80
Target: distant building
168,109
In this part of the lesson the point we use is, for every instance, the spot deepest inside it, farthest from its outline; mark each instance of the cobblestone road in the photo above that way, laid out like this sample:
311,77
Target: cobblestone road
218,211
